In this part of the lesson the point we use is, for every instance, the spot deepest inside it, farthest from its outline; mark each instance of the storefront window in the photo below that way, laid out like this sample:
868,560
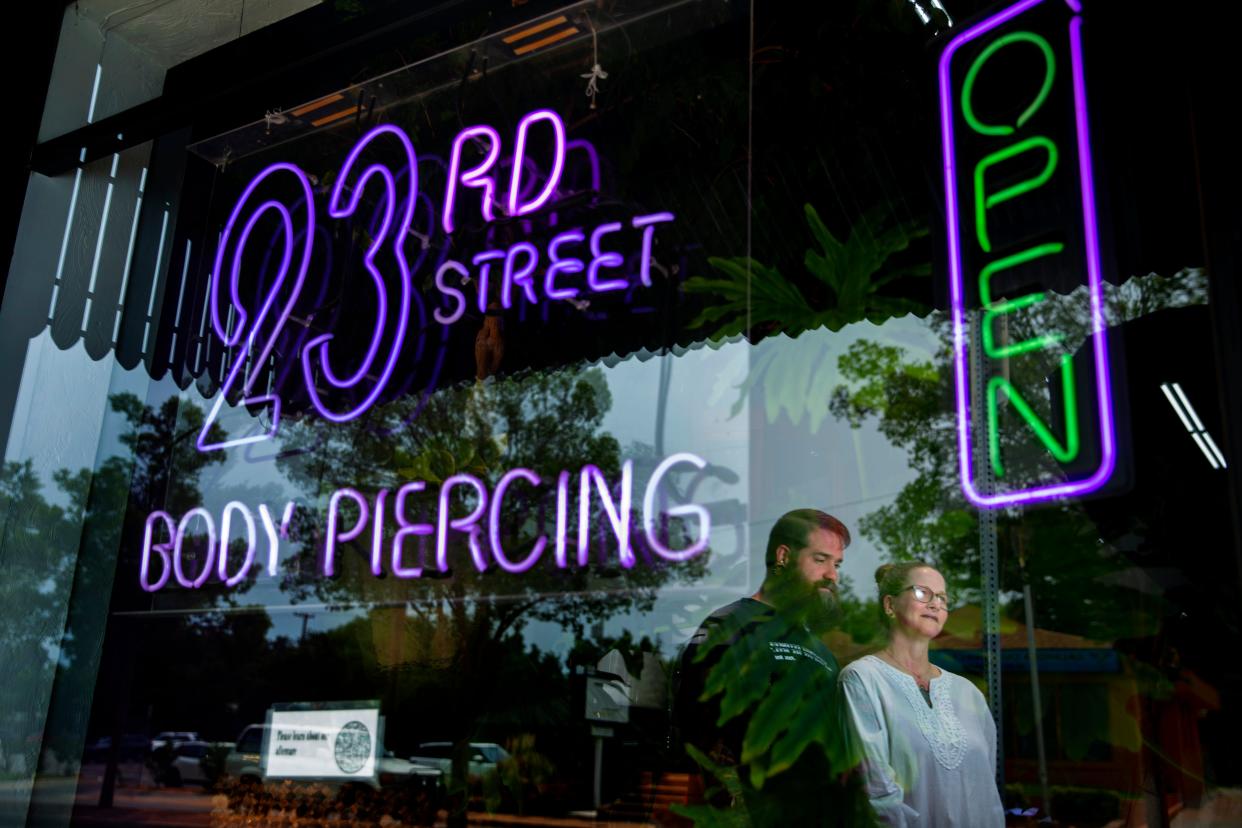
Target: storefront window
430,451
115,56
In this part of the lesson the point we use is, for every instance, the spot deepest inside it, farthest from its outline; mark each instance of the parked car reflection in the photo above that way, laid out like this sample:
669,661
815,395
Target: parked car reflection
484,757
409,792
187,764
173,738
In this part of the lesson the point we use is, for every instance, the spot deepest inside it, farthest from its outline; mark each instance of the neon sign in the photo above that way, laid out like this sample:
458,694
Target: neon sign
518,263
383,518
575,260
998,170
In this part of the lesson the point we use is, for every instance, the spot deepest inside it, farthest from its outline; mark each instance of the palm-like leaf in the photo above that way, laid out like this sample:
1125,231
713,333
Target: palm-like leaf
752,296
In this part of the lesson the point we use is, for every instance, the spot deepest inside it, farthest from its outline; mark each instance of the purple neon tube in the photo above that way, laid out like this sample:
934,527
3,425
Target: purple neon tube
1095,282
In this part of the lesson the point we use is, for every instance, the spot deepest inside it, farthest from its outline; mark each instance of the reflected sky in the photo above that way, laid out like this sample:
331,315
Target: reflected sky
62,422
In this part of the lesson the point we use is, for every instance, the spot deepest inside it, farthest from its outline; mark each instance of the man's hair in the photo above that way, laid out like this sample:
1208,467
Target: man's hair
793,529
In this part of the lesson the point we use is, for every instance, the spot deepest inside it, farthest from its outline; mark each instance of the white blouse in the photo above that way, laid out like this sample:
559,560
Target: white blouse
924,766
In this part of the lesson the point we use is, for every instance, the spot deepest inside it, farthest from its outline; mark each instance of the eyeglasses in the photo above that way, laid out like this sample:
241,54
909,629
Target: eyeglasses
924,596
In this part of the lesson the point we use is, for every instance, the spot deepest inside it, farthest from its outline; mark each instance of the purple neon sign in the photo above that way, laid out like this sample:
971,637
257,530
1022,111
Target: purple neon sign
259,336
977,151
171,553
577,260
346,196
383,521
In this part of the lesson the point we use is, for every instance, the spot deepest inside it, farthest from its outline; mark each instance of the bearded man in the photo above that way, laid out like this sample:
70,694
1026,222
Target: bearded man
756,699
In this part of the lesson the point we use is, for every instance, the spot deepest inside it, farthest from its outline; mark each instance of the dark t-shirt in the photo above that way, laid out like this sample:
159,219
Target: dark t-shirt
782,677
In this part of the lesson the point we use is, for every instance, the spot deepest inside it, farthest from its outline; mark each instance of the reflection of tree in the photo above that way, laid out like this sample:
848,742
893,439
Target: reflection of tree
165,463
848,284
910,401
858,628
929,518
37,537
65,551
100,499
453,629
1072,561
160,471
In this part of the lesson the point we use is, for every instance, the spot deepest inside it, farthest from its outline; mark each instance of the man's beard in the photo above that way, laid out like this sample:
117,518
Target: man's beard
815,605
825,611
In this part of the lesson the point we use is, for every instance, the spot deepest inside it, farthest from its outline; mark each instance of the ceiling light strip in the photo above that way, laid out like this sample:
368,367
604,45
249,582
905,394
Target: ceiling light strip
550,39
313,105
335,116
536,29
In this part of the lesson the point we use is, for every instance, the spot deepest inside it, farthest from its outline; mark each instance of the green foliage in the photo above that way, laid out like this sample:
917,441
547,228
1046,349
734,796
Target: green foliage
36,535
727,786
750,295
880,380
521,776
545,422
161,442
1056,549
450,633
784,700
796,384
448,456
72,540
859,618
856,270
850,275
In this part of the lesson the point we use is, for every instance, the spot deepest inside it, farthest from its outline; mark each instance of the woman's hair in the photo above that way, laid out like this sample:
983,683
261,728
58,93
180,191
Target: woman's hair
890,579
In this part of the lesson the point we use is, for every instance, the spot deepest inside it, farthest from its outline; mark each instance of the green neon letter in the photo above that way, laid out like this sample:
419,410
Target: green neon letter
968,111
1064,453
995,309
983,204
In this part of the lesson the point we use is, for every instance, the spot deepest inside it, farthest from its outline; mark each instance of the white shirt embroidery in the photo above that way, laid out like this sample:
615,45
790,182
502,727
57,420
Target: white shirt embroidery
939,723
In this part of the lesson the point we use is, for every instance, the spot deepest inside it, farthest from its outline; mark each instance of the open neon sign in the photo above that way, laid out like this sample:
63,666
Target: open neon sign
520,270
383,519
993,167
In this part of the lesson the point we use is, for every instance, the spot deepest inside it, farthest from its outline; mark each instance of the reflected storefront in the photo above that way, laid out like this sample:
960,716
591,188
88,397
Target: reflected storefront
396,401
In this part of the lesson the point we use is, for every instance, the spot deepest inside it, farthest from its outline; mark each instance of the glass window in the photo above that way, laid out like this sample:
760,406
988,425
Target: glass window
112,57
251,740
668,412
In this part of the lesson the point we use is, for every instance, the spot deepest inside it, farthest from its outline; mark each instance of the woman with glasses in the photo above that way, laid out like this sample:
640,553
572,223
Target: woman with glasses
927,737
